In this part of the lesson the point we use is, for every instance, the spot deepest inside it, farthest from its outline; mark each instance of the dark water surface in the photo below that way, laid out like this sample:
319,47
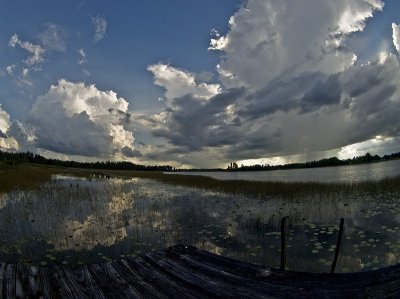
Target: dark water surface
71,220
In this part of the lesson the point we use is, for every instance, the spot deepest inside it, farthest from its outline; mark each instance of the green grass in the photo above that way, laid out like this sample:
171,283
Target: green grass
27,176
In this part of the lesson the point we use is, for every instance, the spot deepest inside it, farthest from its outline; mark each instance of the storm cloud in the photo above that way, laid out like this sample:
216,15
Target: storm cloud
290,84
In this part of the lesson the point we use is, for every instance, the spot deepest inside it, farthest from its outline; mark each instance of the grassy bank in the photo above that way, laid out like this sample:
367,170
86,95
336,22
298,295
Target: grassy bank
292,189
25,176
29,175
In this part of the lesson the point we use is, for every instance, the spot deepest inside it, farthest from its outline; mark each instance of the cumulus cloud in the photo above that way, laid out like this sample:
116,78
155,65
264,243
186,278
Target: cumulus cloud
78,119
53,37
178,83
268,38
291,85
100,27
396,36
7,141
36,51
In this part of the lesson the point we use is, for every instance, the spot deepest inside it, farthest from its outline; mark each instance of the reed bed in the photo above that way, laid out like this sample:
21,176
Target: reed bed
287,189
27,176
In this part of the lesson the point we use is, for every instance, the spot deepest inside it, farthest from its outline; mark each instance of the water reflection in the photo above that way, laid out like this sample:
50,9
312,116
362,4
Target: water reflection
70,220
353,173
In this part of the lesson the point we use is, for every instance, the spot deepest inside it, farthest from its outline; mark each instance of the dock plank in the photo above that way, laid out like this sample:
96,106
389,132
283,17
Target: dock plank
145,289
2,274
82,278
108,287
161,281
188,272
28,282
215,281
10,281
129,291
50,283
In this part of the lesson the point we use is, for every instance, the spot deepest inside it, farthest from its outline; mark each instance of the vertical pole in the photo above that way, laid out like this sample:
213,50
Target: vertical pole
339,241
283,243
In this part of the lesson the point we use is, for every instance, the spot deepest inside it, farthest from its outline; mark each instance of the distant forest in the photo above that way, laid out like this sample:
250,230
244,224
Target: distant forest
27,157
10,158
367,158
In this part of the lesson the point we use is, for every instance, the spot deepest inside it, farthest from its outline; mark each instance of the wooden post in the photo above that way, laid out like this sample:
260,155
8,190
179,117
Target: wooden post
283,243
339,241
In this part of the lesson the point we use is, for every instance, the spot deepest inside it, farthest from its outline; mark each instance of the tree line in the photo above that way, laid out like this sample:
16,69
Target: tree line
334,161
28,157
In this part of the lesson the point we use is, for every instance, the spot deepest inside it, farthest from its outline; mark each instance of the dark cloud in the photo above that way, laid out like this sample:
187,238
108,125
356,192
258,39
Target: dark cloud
294,113
128,152
75,135
2,135
322,93
124,117
194,124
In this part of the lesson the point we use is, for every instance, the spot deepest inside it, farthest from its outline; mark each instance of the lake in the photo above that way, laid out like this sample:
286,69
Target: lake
351,173
76,221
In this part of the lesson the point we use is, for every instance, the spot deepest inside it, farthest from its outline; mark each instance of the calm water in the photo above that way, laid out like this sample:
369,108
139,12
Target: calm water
356,173
70,220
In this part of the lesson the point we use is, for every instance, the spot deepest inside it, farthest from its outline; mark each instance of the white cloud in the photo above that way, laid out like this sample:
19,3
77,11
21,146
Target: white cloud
4,120
288,77
75,119
178,83
82,56
396,36
268,38
10,69
355,13
6,141
25,72
53,37
377,146
36,51
100,27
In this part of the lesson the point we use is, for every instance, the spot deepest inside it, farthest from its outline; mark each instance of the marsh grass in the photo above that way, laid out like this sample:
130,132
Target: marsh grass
29,175
266,189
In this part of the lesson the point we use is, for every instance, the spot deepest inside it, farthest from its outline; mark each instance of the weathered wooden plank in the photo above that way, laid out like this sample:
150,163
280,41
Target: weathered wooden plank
188,272
308,283
66,290
161,281
145,289
2,274
120,281
10,281
249,287
193,278
28,282
108,286
50,283
74,287
82,277
224,263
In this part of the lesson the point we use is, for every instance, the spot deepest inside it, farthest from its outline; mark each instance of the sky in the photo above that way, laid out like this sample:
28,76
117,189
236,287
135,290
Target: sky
200,83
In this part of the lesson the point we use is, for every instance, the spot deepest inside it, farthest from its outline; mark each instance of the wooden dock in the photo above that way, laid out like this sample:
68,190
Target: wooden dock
187,272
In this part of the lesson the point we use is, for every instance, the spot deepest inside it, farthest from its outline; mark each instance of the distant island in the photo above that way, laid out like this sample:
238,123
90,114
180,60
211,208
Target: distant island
14,158
329,162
